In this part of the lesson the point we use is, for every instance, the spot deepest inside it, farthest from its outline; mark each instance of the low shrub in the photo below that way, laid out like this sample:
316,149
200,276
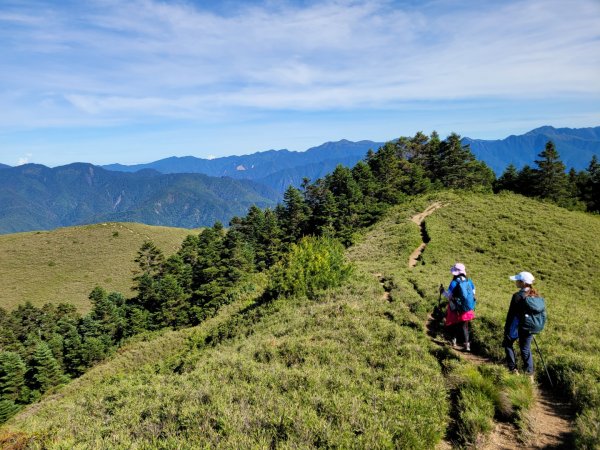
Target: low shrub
311,266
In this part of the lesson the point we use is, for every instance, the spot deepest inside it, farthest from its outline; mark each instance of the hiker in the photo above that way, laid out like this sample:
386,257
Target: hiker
513,328
460,310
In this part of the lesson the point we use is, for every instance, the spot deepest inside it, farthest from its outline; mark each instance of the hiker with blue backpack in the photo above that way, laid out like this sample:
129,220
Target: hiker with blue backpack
461,304
525,318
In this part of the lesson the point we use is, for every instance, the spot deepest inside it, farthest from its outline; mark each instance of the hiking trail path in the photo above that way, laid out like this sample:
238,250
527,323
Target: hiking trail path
419,219
551,417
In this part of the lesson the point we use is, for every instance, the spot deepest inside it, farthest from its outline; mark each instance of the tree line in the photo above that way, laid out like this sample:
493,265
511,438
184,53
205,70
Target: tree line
299,244
550,181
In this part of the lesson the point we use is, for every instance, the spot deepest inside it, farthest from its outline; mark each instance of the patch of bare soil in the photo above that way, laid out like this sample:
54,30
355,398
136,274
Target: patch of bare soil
418,219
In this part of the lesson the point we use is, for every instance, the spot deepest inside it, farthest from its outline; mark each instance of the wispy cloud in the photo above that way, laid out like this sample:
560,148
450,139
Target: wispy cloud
113,60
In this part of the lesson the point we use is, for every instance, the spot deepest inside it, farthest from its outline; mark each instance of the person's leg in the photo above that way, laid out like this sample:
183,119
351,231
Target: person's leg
510,353
465,331
525,346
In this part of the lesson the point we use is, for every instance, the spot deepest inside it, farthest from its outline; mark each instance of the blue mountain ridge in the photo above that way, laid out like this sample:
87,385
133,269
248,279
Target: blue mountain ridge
280,168
35,197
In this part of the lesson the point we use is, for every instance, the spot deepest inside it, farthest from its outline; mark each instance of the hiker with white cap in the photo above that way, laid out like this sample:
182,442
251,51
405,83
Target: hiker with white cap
461,304
513,327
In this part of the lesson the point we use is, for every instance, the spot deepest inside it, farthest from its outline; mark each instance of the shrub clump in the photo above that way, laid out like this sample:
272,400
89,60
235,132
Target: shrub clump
311,266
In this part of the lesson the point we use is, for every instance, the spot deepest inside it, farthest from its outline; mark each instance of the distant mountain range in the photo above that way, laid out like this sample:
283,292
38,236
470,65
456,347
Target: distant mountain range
35,197
576,147
280,168
274,168
192,192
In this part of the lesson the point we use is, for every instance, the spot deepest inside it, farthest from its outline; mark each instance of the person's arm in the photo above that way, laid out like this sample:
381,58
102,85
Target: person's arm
512,312
448,293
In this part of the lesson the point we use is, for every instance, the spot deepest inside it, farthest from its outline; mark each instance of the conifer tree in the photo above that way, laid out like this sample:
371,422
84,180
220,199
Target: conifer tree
592,188
45,370
175,305
550,178
294,215
453,160
271,238
508,179
7,410
12,376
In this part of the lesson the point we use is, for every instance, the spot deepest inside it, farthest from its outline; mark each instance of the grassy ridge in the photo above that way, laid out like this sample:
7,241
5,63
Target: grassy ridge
352,368
498,236
64,265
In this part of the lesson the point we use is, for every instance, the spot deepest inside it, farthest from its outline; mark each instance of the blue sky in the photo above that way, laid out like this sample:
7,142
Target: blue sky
134,81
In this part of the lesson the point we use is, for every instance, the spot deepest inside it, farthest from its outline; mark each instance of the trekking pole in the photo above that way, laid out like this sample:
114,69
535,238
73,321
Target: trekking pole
440,296
543,363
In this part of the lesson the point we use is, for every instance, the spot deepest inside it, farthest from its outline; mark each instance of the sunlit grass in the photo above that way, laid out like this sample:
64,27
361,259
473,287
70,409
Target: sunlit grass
64,265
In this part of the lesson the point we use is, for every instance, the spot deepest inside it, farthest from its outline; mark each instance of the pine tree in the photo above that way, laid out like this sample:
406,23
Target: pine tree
508,179
7,410
150,259
175,303
12,376
349,202
592,187
294,215
454,159
550,178
45,370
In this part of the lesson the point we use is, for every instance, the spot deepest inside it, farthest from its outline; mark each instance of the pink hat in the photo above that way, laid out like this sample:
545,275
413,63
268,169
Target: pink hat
458,269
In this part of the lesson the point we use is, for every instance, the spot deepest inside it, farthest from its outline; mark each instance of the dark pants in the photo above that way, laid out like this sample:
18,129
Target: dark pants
525,347
461,329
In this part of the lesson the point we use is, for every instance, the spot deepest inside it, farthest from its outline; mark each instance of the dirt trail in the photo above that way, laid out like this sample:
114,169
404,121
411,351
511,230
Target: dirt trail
418,219
551,418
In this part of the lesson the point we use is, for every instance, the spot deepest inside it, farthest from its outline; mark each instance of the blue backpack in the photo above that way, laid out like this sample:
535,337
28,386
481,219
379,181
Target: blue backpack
534,318
463,296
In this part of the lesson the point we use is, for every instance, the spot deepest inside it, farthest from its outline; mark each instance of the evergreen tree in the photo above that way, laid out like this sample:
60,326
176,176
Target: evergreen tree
45,371
367,183
508,179
348,200
107,311
550,178
271,238
237,256
324,209
150,259
175,303
294,215
454,161
386,167
7,410
526,181
12,377
591,189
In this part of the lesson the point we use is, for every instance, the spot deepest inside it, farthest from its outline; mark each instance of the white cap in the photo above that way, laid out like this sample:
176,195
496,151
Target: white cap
525,277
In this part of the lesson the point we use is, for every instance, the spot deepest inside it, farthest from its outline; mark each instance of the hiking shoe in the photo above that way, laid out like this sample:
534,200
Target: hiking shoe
531,378
514,371
467,347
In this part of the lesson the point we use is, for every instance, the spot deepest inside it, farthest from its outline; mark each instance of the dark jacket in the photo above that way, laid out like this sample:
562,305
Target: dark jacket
516,311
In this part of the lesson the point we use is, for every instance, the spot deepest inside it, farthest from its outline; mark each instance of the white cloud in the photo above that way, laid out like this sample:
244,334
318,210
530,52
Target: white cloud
24,159
125,61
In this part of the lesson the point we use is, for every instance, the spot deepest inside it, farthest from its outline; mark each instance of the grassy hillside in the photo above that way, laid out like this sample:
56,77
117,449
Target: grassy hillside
499,236
354,368
64,265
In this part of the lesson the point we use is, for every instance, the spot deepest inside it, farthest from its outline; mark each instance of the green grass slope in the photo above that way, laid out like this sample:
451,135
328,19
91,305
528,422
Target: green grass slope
349,370
65,264
352,369
499,236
